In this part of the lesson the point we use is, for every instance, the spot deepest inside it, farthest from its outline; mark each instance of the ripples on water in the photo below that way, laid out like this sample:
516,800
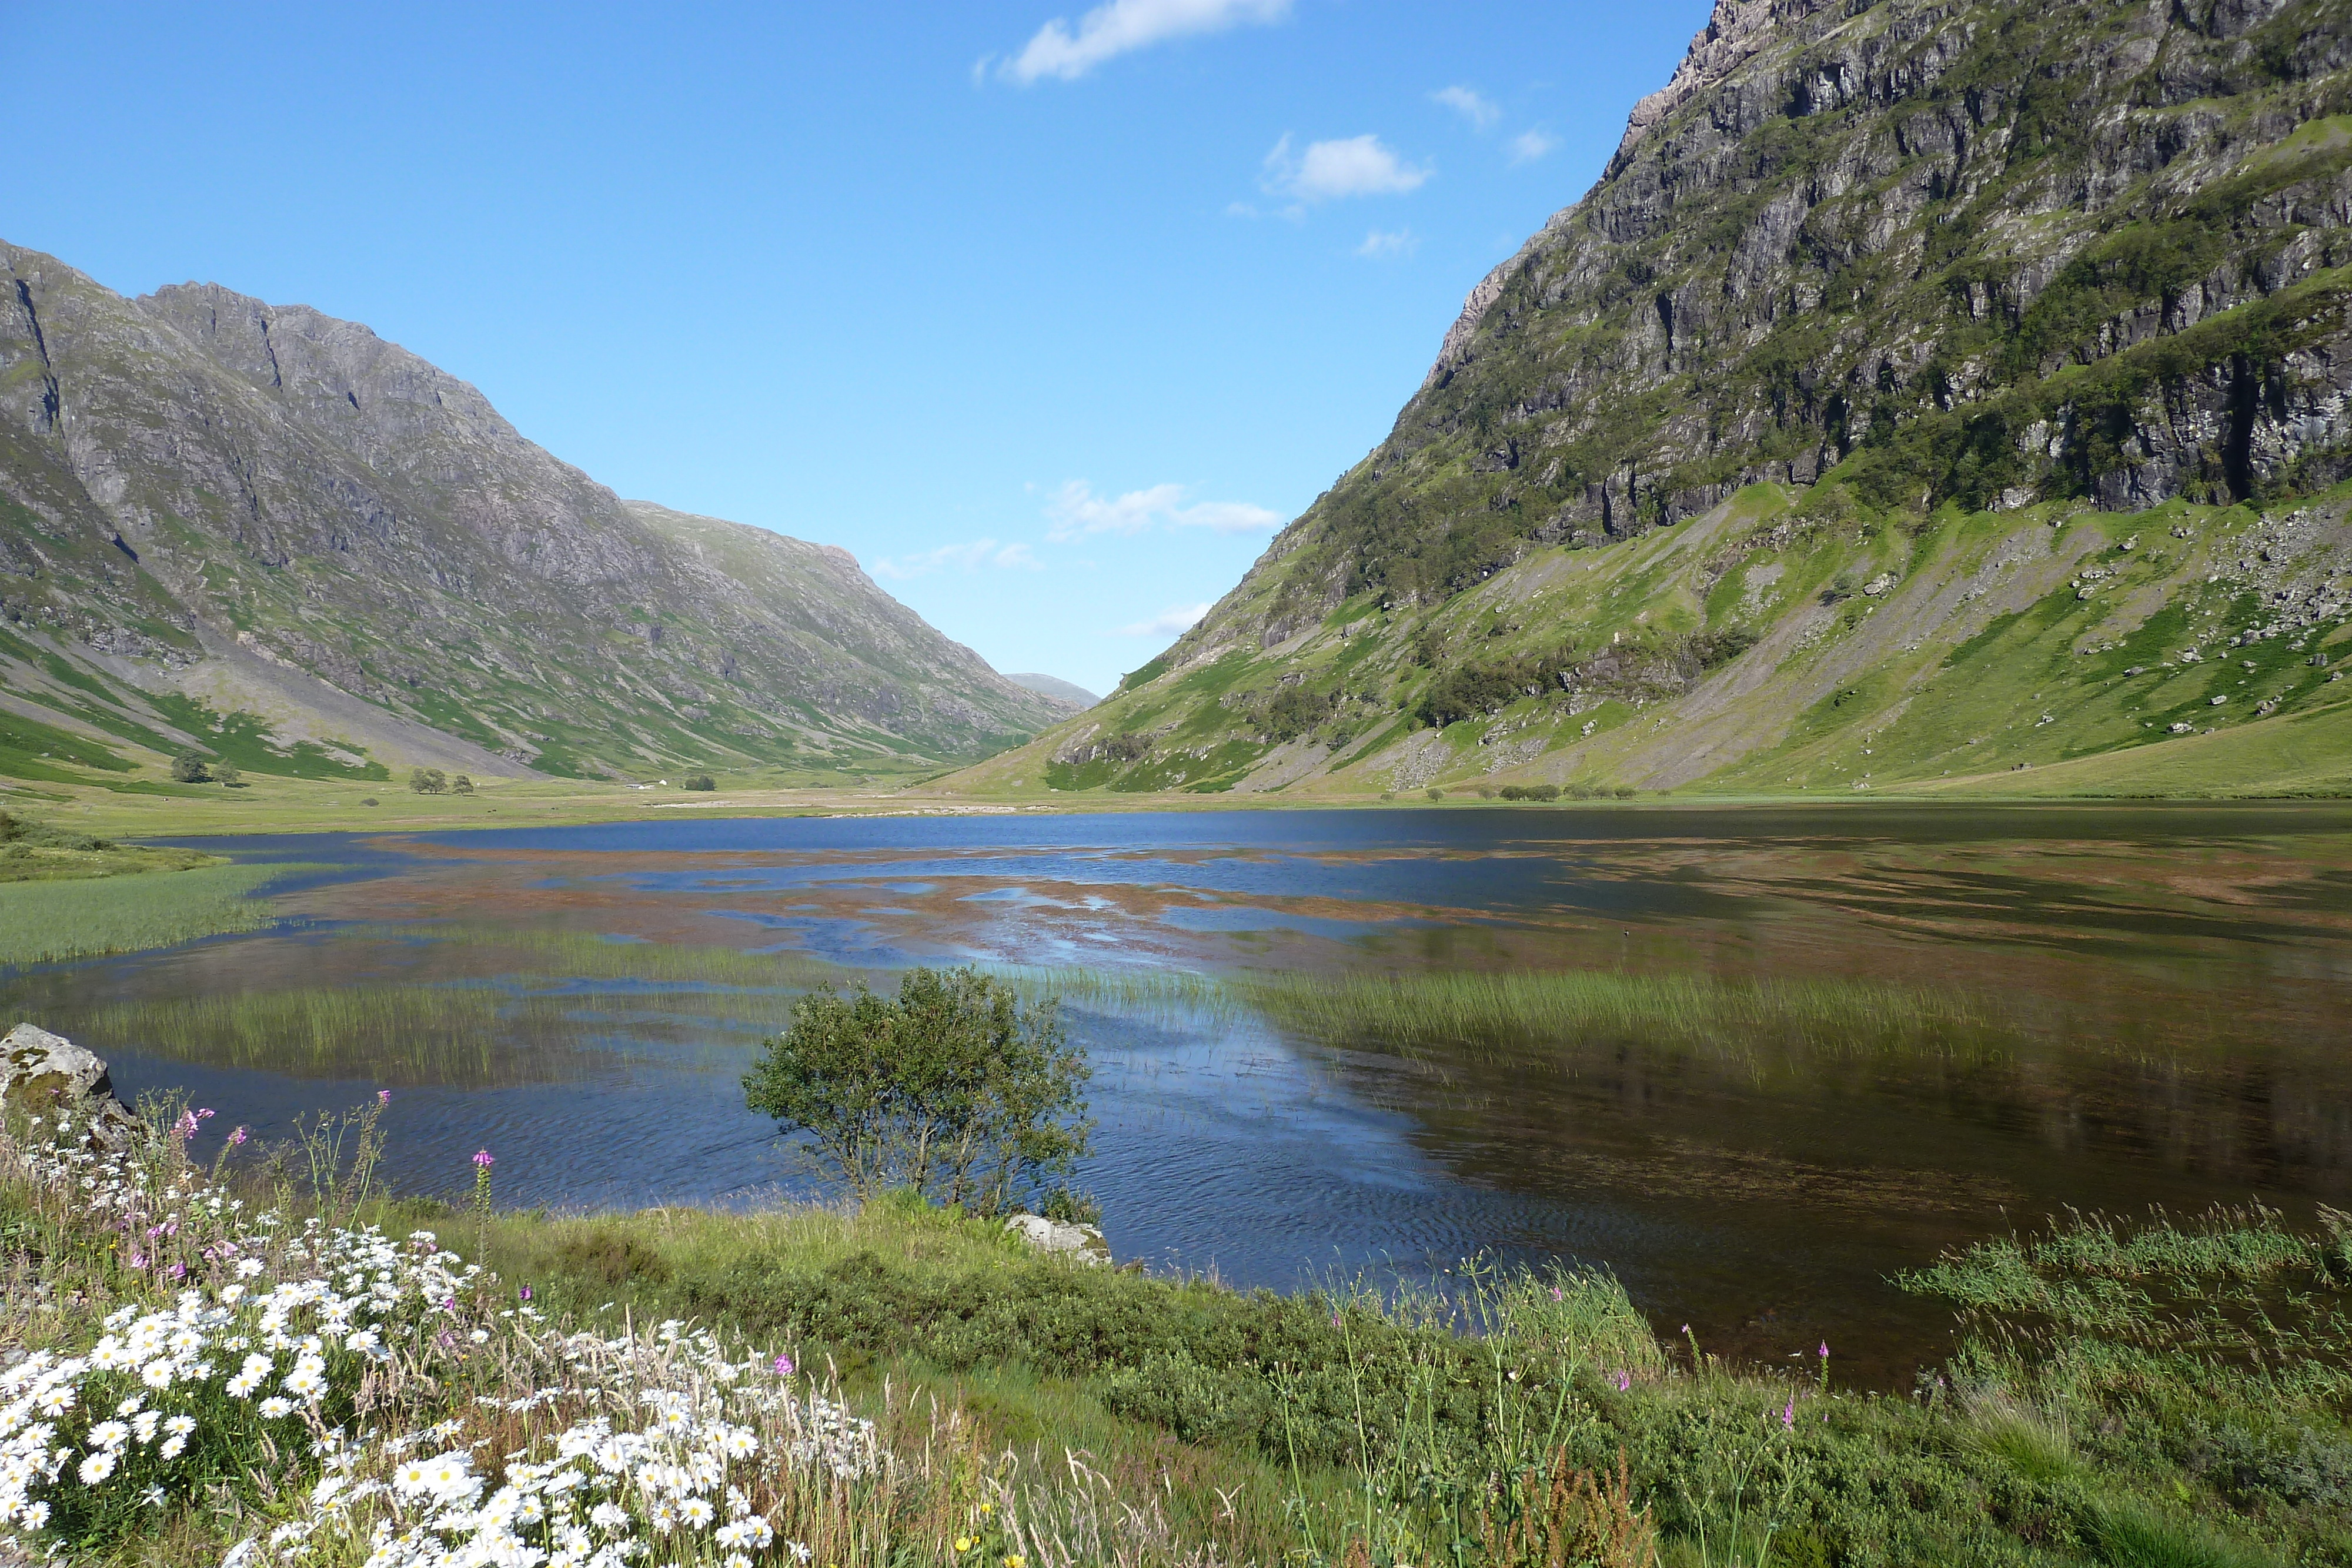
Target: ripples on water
1842,1040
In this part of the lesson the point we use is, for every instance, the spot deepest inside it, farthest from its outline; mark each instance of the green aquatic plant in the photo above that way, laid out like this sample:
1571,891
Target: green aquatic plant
42,922
400,1035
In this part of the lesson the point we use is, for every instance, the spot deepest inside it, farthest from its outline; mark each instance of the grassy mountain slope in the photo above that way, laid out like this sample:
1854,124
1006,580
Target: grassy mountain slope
1927,391
270,536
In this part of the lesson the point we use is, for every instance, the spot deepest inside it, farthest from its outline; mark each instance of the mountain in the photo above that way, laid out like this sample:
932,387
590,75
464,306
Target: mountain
1058,689
263,533
1928,388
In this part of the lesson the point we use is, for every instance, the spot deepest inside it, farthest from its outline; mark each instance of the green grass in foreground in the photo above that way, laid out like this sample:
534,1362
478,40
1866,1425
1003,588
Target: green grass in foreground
44,921
2169,1393
2161,1392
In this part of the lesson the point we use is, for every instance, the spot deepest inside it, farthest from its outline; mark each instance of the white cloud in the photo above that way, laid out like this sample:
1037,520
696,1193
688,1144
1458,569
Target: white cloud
1378,245
1227,518
1357,166
1470,104
1168,622
1122,26
1075,512
961,558
1529,145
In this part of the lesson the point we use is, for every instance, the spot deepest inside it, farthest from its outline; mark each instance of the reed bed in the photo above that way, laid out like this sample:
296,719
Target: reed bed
44,922
580,954
1513,1010
1511,1014
398,1035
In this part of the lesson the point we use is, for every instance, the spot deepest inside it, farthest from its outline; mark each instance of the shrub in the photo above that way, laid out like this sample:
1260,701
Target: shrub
461,785
190,769
953,1089
1437,794
229,775
1294,710
1530,791
699,781
428,780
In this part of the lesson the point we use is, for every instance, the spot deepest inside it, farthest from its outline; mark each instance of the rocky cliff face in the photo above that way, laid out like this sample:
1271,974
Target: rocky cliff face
1865,287
209,503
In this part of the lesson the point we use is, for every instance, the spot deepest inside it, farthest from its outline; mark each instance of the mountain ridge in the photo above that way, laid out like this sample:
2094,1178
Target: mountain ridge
204,496
2025,326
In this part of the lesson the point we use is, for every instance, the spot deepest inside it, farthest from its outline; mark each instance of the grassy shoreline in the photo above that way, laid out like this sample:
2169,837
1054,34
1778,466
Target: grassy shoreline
277,807
2163,1391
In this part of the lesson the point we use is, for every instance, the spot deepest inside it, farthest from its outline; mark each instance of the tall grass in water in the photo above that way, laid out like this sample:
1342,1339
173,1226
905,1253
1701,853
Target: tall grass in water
578,955
1472,1008
42,922
1510,1012
402,1035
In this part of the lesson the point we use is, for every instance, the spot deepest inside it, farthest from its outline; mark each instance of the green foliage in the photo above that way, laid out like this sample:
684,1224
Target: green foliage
44,921
1294,710
1529,792
190,768
698,781
246,740
953,1089
428,781
461,785
1144,677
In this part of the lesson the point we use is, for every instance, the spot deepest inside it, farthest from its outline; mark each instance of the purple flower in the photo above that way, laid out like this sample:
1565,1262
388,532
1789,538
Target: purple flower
236,1137
1825,1350
179,1271
1624,1382
1555,1292
1789,1414
383,1096
783,1367
526,1292
483,1160
139,1260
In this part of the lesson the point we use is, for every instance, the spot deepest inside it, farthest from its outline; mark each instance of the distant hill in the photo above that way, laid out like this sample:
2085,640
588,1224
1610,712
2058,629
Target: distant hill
1059,690
1929,389
268,534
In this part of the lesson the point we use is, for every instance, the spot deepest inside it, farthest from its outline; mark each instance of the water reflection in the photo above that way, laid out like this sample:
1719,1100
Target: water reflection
2121,1005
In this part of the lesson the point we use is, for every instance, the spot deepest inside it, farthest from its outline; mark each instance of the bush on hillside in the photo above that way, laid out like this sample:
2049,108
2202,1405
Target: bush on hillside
188,767
698,781
428,780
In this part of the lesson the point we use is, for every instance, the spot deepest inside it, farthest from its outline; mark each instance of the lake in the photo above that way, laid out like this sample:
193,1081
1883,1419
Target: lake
1829,1042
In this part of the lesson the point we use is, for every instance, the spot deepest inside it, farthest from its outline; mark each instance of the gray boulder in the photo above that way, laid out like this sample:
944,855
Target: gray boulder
1083,1243
43,1074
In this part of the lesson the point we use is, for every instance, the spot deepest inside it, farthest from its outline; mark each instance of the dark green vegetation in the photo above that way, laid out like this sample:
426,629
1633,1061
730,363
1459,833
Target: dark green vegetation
1926,392
953,1088
355,559
2155,1393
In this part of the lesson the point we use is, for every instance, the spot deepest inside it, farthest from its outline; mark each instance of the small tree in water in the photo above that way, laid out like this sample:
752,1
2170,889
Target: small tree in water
953,1088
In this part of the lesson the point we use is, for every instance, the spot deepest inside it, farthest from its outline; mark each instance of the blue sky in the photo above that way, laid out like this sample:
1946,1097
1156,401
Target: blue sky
1048,313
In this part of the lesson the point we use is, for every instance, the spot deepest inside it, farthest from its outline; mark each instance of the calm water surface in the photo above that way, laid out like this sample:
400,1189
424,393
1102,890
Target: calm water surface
2166,990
